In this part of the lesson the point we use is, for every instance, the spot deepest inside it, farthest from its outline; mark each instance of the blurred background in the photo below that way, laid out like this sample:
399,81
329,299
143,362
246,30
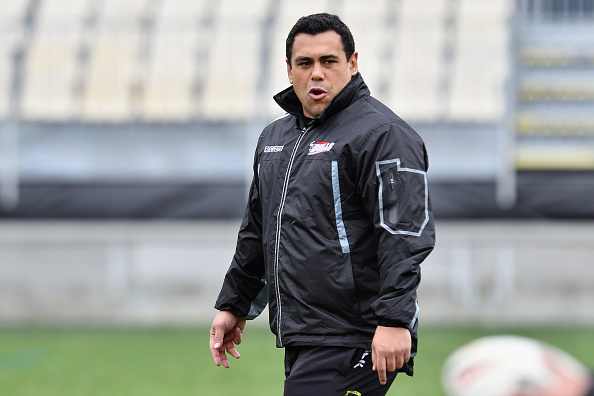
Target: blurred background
127,131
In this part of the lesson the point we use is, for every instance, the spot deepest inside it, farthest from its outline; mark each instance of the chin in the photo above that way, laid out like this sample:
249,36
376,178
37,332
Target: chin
315,112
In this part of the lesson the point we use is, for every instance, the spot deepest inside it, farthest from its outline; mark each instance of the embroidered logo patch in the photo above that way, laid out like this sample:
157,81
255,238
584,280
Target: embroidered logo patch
319,147
273,149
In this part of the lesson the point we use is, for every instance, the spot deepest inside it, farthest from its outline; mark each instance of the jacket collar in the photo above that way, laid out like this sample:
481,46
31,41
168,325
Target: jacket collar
354,90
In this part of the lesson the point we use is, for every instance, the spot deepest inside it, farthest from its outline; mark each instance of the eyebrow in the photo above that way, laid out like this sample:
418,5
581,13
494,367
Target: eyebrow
322,58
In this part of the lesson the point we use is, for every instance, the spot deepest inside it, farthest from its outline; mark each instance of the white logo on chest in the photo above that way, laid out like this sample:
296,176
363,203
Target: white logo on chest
319,147
273,149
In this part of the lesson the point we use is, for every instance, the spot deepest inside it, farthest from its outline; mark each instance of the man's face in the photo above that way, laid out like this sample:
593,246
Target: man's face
319,70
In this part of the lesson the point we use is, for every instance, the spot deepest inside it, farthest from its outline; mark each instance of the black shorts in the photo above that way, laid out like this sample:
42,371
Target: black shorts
332,371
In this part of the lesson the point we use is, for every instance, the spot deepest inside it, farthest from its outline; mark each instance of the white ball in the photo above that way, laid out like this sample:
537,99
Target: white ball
500,365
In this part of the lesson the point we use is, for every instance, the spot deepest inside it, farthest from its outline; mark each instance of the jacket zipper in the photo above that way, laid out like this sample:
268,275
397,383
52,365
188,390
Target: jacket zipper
393,200
278,231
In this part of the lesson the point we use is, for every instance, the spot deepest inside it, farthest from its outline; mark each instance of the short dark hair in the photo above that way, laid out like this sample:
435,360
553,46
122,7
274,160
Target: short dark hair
321,23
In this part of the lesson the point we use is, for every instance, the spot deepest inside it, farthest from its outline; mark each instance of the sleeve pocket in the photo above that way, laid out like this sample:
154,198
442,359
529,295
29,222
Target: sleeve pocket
403,198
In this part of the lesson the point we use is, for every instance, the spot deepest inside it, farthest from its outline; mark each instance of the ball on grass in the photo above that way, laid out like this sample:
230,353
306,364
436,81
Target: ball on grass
503,365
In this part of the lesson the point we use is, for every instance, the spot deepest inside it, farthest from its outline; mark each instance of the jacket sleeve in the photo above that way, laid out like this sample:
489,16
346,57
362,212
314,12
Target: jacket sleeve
243,291
392,184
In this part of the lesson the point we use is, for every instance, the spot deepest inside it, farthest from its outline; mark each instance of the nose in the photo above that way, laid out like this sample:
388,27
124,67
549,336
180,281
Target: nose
317,73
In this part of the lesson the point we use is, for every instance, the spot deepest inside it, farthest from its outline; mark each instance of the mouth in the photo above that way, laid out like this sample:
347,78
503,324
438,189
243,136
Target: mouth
317,93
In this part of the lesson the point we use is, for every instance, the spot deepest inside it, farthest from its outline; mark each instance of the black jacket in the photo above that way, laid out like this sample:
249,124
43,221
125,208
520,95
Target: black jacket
337,224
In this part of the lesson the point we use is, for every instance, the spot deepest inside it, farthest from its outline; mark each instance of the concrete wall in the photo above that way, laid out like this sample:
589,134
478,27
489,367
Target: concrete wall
160,273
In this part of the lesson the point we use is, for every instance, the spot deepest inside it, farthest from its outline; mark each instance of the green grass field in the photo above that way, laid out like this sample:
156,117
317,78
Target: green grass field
172,362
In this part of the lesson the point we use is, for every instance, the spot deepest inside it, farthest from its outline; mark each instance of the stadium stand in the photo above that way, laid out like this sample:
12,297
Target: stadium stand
482,81
172,60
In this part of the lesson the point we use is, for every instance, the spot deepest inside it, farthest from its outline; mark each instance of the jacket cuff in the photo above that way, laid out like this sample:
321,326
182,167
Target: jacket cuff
232,309
392,323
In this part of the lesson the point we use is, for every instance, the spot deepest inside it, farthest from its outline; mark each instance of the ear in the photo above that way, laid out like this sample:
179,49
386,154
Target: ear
354,63
289,72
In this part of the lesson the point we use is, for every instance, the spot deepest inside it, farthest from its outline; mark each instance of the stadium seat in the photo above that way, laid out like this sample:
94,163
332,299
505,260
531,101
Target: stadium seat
171,80
62,16
555,157
112,71
257,9
50,73
293,10
564,125
180,13
231,85
480,14
13,14
122,14
178,43
372,40
415,87
481,62
479,76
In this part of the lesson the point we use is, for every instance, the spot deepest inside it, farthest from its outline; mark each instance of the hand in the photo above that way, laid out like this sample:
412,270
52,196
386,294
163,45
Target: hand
390,349
225,333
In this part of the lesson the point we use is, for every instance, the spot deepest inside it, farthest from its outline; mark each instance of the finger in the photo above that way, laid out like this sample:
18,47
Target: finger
406,358
393,362
238,336
223,358
230,336
399,359
230,348
381,370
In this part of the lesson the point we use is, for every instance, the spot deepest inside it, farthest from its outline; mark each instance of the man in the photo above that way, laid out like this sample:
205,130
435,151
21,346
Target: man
508,365
338,222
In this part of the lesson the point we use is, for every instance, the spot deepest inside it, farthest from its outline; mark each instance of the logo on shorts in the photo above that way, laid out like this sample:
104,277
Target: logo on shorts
352,393
273,149
361,361
319,147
